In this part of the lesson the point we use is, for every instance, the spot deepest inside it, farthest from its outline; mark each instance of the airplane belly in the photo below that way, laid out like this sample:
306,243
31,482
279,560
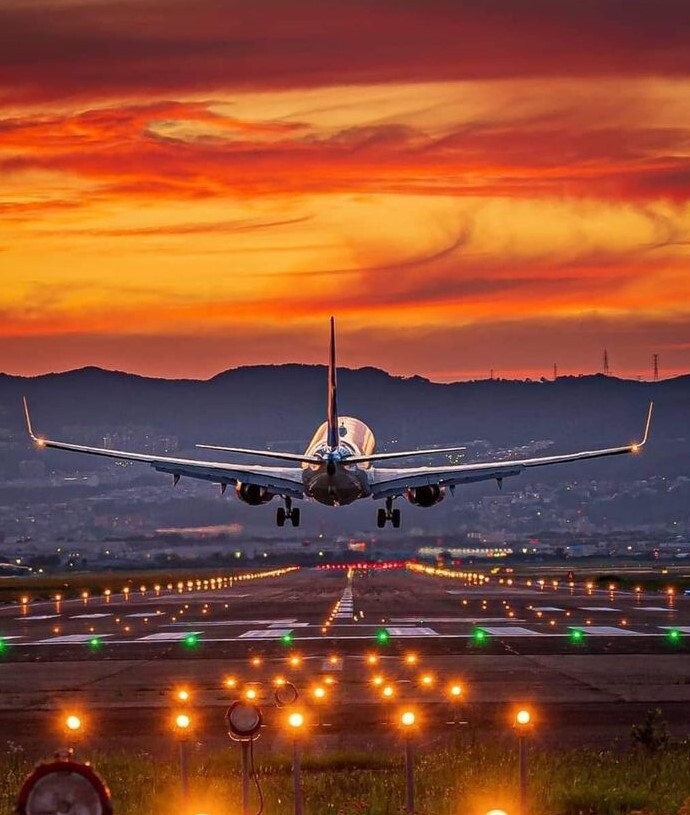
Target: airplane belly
339,489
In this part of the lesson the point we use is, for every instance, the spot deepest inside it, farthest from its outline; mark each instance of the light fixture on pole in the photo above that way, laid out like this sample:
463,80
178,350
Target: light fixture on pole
295,723
244,722
407,724
523,727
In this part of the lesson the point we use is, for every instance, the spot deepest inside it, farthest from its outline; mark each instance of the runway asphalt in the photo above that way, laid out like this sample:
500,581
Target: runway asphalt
121,659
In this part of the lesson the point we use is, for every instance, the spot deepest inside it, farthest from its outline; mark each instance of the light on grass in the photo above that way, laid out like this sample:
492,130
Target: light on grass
523,718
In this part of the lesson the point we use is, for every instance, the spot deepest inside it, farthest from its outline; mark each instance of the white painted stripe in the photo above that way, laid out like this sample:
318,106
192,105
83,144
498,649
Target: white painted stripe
684,629
148,614
186,624
168,636
598,608
546,608
654,608
411,631
509,631
271,634
67,639
607,631
37,617
89,616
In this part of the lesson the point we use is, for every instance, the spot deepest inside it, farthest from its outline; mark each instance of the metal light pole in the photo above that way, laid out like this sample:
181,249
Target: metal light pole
182,724
523,726
407,721
296,722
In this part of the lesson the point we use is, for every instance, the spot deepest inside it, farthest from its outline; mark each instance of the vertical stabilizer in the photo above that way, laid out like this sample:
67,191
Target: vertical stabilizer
332,394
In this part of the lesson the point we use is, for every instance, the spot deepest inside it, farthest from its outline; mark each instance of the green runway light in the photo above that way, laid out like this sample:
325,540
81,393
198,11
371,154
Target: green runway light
673,635
479,636
287,638
191,641
94,642
3,646
382,636
576,635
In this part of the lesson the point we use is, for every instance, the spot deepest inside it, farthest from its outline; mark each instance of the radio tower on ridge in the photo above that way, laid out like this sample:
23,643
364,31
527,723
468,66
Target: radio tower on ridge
655,366
607,370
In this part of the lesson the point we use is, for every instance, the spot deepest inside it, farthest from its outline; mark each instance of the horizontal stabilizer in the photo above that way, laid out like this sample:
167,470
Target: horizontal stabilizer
262,453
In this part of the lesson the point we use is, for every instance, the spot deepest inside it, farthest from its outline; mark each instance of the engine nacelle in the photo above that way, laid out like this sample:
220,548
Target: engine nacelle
425,496
252,494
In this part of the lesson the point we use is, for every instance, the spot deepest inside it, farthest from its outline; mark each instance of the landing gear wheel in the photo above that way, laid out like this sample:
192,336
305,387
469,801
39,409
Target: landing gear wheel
388,514
281,515
294,516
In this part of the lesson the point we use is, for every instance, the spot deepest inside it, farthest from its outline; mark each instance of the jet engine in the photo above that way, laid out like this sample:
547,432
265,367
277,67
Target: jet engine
252,494
425,496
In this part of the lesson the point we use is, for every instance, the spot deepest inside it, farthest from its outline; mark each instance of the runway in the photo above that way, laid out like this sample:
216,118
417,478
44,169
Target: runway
122,657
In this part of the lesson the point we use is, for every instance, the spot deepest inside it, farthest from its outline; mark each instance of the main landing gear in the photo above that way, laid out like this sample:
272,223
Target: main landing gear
287,513
388,514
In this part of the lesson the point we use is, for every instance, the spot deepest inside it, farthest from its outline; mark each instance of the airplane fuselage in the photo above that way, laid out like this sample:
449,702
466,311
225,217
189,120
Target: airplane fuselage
334,482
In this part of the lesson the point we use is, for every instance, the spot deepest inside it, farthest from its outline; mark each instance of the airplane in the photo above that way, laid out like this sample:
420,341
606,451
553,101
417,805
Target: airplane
338,466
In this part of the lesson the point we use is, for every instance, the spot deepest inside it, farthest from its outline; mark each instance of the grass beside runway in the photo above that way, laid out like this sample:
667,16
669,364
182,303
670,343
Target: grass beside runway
460,779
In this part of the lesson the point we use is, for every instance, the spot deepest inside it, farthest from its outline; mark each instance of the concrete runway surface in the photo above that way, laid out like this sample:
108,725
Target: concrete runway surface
120,661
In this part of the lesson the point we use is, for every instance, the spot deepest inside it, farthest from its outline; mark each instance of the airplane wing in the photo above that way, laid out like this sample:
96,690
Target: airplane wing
279,480
389,482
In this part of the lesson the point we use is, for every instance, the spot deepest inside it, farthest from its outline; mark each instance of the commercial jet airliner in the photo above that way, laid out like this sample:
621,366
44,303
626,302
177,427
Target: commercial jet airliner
338,466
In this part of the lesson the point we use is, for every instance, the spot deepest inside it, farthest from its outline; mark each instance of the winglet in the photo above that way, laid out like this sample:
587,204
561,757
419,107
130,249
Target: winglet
637,445
29,426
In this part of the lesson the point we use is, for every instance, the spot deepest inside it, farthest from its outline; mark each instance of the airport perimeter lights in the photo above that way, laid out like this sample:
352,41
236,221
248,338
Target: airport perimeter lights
295,723
523,727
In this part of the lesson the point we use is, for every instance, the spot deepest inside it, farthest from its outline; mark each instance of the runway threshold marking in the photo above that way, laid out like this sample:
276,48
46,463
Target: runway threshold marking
411,631
265,634
607,630
684,629
186,624
509,631
67,639
168,636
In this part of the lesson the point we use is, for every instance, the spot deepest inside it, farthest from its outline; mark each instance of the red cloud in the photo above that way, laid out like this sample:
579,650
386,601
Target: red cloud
51,50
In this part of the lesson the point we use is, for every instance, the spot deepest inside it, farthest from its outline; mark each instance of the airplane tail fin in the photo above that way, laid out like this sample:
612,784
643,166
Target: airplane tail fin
332,437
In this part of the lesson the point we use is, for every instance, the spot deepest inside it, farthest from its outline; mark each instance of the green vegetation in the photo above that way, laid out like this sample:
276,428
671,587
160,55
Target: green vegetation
450,781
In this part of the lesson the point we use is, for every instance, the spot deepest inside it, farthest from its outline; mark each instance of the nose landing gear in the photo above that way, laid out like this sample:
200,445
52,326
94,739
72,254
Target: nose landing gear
287,513
388,514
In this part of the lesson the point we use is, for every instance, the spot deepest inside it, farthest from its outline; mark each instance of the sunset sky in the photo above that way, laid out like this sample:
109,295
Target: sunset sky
192,185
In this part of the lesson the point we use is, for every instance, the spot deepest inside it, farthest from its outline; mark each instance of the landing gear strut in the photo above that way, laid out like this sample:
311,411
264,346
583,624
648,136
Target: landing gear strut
388,514
287,513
